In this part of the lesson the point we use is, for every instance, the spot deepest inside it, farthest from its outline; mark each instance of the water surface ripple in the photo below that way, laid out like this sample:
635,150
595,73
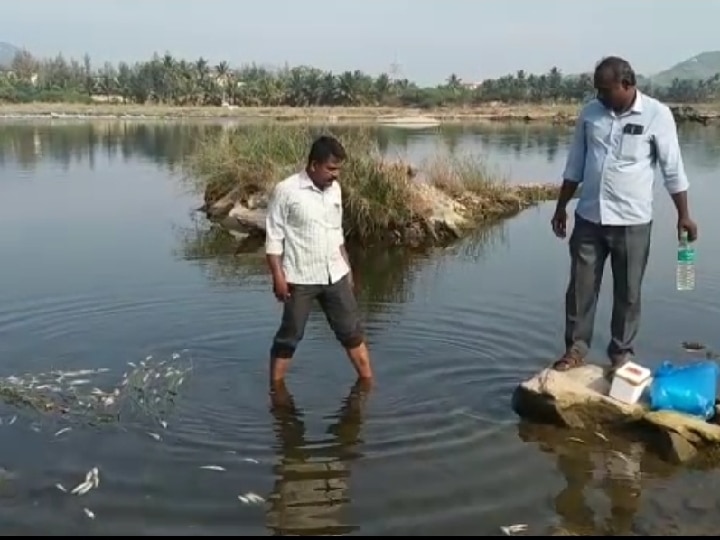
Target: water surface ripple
431,449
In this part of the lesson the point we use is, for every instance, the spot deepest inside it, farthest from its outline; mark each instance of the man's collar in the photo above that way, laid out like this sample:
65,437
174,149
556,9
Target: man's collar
305,181
637,106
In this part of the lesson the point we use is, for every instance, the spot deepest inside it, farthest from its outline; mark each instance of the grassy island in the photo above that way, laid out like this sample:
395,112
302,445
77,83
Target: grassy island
385,202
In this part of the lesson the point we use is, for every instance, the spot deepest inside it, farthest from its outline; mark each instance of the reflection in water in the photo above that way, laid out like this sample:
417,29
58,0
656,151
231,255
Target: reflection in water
520,139
384,277
167,143
312,476
618,467
32,143
452,324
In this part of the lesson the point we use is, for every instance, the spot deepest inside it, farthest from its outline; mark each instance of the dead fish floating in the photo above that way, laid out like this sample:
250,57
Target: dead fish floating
250,498
92,480
509,530
212,468
59,391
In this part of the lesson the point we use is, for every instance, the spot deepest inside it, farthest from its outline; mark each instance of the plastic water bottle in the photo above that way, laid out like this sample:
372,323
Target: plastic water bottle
685,274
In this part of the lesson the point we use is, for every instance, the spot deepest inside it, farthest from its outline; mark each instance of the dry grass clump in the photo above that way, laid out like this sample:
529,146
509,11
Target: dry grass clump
484,194
382,199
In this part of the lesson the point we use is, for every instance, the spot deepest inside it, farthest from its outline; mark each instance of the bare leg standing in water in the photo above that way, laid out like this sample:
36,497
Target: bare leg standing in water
340,307
305,249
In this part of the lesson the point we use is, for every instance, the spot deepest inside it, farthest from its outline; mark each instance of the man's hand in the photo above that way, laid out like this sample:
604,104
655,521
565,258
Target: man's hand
559,222
684,223
687,225
350,275
281,289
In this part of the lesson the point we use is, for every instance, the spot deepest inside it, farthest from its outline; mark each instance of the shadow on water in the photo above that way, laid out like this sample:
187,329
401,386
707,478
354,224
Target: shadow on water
603,479
312,476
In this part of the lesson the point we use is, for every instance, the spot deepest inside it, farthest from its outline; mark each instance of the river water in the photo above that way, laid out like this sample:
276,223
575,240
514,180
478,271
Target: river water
104,263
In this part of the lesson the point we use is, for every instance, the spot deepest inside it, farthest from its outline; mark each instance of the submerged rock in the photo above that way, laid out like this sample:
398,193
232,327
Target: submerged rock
579,399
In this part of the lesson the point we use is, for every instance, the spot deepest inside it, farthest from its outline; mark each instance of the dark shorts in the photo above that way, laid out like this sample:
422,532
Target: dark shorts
341,311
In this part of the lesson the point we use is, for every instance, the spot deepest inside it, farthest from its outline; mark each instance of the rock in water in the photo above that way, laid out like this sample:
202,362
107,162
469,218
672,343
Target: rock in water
579,399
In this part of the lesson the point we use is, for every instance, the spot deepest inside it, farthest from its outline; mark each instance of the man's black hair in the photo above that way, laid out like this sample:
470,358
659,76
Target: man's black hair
620,69
325,147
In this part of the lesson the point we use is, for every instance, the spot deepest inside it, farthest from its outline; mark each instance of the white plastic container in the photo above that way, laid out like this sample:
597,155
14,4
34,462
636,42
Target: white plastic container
629,382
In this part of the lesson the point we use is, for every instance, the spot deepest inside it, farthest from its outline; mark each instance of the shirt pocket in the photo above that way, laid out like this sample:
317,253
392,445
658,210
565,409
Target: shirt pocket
334,215
631,147
298,215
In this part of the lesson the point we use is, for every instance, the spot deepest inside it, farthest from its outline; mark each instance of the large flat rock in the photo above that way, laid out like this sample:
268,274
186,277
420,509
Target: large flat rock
579,399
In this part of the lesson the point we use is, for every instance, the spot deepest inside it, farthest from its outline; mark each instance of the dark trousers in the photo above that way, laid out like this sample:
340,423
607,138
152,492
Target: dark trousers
337,301
590,245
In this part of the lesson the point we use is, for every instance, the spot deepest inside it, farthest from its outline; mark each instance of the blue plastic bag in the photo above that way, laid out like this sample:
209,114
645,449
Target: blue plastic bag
690,389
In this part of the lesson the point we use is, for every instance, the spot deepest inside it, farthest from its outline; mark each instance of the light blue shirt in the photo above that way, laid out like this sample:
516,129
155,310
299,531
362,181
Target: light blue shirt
614,158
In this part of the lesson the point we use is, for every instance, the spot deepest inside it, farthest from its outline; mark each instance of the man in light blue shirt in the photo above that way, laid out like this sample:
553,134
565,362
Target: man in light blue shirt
619,139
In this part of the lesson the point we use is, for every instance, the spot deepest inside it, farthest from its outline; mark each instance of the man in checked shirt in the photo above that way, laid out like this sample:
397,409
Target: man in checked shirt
305,250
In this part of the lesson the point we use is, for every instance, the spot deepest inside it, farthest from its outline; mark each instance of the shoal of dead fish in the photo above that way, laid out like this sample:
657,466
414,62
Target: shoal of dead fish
74,379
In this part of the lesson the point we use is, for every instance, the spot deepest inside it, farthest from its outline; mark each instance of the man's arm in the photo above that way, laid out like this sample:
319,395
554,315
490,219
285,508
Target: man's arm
341,243
275,232
669,157
575,163
340,233
344,254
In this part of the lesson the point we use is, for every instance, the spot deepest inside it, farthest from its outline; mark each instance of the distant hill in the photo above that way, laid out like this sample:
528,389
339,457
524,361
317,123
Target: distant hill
7,54
702,66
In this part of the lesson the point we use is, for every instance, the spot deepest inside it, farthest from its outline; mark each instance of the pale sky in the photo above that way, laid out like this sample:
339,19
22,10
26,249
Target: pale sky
429,39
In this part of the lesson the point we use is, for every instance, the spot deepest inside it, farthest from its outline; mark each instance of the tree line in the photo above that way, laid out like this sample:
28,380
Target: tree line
172,81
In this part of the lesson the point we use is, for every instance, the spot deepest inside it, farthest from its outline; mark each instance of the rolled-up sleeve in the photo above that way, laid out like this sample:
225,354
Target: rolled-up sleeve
275,223
575,163
669,157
